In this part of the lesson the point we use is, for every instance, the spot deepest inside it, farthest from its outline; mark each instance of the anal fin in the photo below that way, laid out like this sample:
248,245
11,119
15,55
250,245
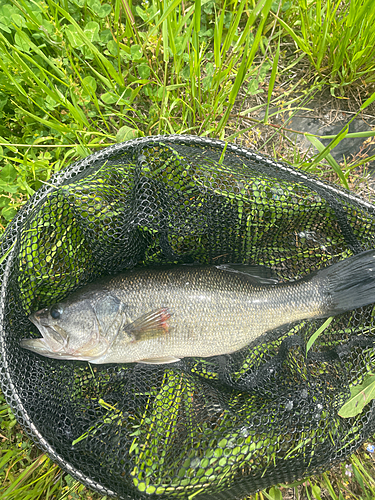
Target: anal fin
159,361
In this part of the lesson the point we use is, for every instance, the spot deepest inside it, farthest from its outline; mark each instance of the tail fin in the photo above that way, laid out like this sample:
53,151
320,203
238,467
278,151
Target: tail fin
351,282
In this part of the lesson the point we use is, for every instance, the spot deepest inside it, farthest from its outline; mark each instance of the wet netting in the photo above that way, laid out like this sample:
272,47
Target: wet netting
209,428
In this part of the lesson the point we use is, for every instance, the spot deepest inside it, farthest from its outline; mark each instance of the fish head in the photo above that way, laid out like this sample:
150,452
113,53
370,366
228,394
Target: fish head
76,328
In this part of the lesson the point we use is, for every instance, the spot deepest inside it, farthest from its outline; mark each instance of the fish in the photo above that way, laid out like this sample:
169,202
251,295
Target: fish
161,315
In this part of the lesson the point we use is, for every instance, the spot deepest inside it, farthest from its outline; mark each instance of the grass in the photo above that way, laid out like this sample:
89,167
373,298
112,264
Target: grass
78,75
338,38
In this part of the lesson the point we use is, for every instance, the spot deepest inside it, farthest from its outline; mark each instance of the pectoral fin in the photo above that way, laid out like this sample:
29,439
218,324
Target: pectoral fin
159,361
151,324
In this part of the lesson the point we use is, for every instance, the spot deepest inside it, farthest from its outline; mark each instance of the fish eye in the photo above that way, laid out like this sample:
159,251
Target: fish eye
55,313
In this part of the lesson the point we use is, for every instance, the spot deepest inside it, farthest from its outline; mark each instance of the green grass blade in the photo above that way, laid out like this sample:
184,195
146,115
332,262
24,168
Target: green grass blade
24,475
265,11
218,36
165,41
368,101
324,154
246,62
233,28
101,59
235,89
251,21
197,16
55,125
321,40
329,487
339,137
351,135
316,334
170,10
272,80
299,41
39,52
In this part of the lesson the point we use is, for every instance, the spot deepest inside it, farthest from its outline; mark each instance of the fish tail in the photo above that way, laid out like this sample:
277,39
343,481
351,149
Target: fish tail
351,282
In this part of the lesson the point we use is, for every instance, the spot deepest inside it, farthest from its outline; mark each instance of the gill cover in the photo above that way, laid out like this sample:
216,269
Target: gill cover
84,330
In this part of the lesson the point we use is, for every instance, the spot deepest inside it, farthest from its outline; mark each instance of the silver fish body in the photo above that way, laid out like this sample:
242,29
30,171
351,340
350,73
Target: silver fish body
162,315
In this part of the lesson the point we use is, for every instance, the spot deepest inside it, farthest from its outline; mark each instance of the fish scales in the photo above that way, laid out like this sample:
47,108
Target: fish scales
210,300
162,315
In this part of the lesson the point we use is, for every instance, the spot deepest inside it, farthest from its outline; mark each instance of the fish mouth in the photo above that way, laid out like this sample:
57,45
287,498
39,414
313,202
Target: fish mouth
52,342
37,345
40,346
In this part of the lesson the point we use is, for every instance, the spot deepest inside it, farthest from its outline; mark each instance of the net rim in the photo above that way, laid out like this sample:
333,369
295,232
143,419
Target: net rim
9,240
106,153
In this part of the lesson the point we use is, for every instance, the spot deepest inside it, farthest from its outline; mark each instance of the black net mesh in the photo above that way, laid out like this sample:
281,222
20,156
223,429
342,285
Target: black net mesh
220,427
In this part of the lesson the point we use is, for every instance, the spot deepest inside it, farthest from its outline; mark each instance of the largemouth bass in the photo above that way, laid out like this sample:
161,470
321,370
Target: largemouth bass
162,315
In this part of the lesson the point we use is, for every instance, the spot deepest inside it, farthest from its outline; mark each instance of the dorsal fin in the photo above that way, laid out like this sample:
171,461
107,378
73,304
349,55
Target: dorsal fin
261,275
